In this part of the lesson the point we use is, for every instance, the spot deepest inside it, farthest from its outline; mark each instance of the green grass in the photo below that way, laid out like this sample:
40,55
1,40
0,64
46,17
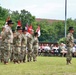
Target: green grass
44,66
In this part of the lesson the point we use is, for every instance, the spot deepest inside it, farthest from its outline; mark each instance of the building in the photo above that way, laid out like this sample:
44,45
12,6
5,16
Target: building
48,20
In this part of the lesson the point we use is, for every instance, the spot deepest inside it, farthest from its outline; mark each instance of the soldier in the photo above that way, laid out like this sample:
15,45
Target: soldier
69,44
15,52
17,45
23,45
12,46
2,43
35,46
8,41
29,45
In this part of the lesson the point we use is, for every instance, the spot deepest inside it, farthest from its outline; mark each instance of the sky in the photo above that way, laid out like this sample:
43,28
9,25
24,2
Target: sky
47,9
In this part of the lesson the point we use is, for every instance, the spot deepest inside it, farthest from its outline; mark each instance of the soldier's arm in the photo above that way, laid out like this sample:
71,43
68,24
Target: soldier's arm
7,33
68,38
3,36
35,41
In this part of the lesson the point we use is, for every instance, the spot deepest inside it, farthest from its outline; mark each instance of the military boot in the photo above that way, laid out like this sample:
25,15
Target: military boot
70,62
67,62
5,62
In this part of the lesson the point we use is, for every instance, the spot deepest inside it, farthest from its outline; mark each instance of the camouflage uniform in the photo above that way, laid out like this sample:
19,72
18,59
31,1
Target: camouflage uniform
12,46
23,47
35,48
29,46
69,44
2,45
17,47
8,42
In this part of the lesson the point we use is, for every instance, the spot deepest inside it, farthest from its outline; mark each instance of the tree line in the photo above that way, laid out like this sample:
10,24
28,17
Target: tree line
49,32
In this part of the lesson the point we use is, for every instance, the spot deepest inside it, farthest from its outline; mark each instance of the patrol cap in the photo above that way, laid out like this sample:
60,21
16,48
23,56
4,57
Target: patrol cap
35,33
19,28
9,22
13,31
70,28
24,29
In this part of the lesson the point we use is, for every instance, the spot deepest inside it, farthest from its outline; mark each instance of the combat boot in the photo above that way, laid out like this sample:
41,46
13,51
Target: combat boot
5,62
67,62
70,62
28,61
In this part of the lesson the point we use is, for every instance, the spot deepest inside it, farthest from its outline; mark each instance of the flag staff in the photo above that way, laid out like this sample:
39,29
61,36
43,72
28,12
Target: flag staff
65,16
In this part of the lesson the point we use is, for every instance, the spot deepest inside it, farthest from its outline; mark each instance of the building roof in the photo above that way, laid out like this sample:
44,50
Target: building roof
48,20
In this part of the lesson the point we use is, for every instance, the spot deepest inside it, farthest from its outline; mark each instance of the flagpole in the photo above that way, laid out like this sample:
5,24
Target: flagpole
65,16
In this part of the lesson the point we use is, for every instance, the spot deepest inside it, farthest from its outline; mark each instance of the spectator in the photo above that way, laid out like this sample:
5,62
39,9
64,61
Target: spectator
63,49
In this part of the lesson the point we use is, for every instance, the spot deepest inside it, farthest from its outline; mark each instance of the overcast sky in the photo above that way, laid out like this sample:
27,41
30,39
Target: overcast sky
49,9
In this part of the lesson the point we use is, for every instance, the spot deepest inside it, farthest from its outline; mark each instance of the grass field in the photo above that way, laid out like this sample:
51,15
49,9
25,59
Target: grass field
44,66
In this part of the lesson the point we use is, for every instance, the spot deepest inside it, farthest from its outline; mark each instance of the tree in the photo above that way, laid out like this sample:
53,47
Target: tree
15,16
26,17
51,32
3,15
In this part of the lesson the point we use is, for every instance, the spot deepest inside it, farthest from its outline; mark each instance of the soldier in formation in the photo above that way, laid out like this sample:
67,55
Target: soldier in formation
7,40
29,45
24,45
2,44
35,46
18,45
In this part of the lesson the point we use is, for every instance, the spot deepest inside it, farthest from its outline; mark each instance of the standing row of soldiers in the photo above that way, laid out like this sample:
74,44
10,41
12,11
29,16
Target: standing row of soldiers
16,44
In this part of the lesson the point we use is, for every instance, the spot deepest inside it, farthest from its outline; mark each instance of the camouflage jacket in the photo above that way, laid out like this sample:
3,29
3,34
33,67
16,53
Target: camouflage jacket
3,35
29,38
9,34
17,39
35,41
70,40
24,40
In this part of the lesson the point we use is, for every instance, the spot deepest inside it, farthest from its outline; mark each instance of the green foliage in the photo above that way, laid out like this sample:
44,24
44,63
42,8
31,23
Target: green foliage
51,32
3,15
56,31
45,31
24,16
62,40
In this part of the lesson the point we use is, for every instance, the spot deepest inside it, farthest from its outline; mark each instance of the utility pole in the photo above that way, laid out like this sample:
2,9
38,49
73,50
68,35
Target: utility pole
65,16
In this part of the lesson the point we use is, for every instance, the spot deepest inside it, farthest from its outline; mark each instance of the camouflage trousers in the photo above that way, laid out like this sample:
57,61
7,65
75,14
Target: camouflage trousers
16,53
2,51
69,54
7,52
11,56
23,54
29,52
35,53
